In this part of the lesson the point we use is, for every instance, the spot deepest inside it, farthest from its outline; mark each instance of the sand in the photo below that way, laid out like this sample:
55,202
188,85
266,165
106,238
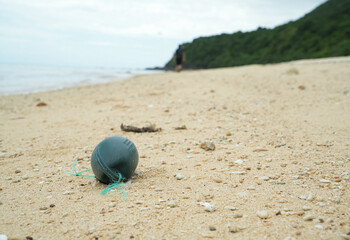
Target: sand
280,168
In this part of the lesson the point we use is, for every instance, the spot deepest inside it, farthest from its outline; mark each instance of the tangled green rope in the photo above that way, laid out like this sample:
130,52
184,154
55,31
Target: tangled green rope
79,173
115,184
111,186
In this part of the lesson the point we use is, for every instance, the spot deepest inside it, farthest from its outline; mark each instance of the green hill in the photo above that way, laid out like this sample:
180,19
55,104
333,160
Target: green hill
324,32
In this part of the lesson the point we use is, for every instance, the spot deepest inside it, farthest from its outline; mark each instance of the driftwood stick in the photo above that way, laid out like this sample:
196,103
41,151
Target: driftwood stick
129,128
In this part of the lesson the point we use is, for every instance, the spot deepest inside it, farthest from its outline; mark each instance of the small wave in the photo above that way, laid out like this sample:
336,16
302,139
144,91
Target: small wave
23,79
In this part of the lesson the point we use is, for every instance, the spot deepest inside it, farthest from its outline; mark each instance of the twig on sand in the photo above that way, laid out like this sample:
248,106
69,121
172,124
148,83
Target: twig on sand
129,128
183,127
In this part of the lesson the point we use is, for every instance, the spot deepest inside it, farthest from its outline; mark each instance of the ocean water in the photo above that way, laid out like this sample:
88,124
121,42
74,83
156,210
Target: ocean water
22,79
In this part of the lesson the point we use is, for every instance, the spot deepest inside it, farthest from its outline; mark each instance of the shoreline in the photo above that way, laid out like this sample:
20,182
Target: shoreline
23,79
279,168
155,69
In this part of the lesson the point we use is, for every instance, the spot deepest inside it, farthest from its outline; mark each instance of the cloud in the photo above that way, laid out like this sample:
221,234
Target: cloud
170,19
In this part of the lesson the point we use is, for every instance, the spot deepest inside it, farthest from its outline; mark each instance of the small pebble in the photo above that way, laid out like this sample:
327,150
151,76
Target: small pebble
280,183
25,177
43,208
239,172
112,204
217,180
242,194
233,229
238,215
239,161
309,217
318,226
262,214
212,228
306,208
207,206
41,104
172,204
207,146
17,171
264,178
179,176
231,208
258,182
68,192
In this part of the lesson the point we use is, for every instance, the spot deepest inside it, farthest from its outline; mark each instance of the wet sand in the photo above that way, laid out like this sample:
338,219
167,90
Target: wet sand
280,167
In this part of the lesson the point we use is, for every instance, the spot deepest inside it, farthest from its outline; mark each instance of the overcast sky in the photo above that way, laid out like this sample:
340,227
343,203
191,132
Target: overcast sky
123,34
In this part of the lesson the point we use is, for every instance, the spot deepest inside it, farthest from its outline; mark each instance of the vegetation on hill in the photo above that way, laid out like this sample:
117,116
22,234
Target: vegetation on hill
324,32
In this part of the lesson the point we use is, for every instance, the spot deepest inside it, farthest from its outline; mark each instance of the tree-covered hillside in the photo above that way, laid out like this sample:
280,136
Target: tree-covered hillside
324,32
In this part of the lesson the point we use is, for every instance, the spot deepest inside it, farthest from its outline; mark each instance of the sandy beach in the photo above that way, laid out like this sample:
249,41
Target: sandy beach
280,168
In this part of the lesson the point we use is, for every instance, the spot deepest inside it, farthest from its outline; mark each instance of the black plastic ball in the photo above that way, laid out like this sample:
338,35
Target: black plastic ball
113,158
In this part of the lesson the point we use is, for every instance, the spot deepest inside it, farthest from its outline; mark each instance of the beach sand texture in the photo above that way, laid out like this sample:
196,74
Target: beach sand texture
280,167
